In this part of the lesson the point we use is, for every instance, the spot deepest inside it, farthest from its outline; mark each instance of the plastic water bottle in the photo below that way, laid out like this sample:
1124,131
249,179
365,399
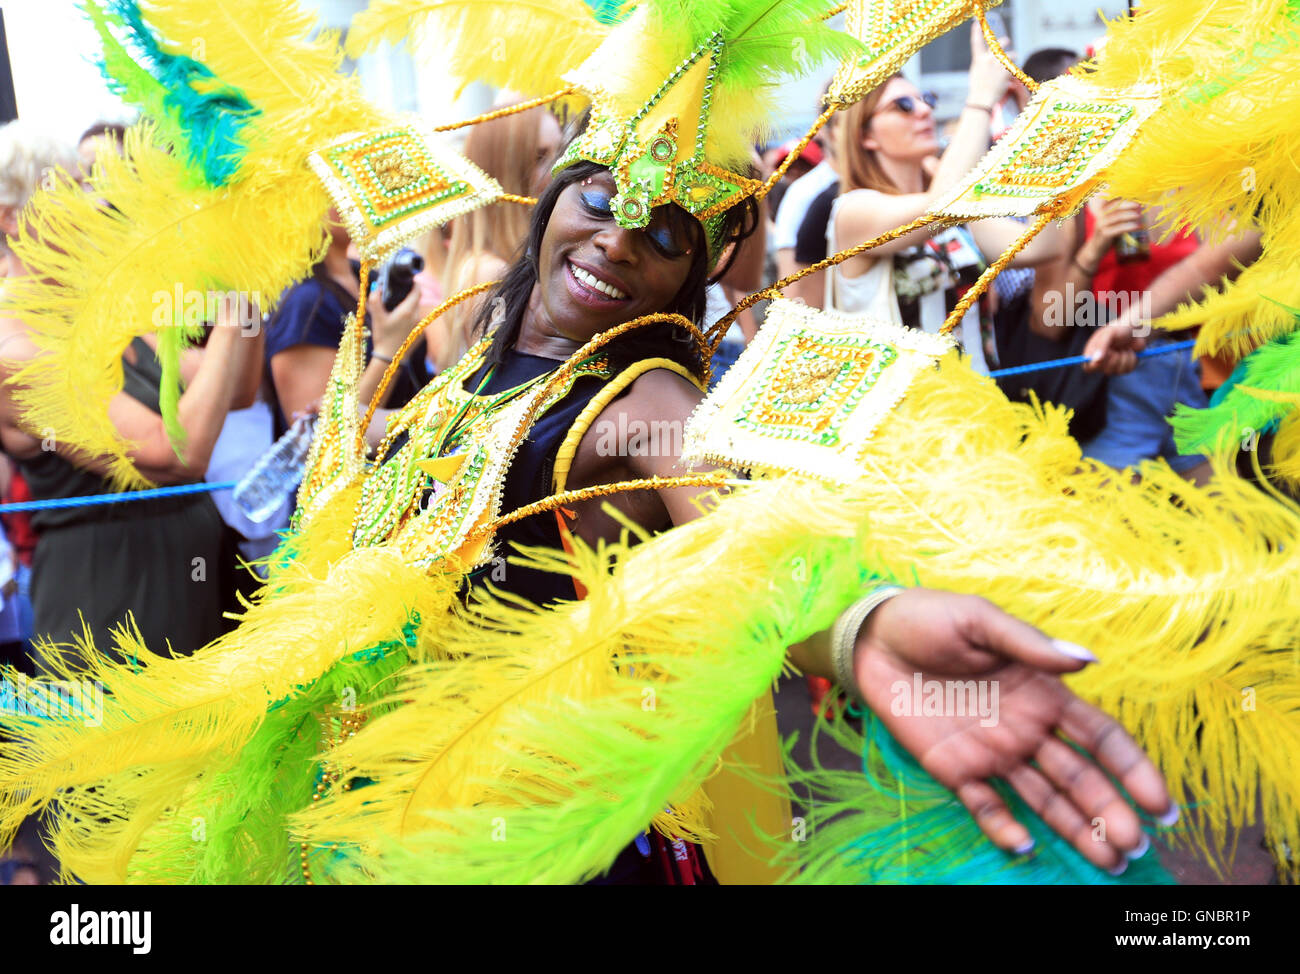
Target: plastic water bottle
276,473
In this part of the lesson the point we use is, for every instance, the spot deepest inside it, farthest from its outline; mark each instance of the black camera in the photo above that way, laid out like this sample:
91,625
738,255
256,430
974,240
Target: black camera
397,277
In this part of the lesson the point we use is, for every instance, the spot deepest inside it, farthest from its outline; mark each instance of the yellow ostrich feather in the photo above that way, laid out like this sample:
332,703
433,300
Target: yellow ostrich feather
1254,309
164,717
523,45
1223,143
1286,450
497,43
101,276
111,264
557,728
1187,595
276,56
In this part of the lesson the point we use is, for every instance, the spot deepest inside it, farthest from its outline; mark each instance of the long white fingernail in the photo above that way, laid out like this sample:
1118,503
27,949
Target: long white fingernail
1120,869
1025,848
1074,651
1169,817
1143,848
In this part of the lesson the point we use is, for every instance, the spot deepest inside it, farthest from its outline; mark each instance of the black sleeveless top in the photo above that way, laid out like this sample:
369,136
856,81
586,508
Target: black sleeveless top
530,478
648,860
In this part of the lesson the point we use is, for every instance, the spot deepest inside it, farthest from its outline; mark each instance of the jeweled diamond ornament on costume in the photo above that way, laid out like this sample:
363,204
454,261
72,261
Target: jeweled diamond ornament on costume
809,392
392,184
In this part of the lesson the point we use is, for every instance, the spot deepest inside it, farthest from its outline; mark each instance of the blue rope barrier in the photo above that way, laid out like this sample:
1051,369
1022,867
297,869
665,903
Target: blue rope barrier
1060,363
130,495
142,495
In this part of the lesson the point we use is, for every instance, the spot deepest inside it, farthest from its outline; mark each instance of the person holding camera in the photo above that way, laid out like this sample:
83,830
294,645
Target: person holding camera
304,332
886,146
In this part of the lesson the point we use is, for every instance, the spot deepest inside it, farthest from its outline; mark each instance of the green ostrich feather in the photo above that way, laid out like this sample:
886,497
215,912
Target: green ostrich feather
608,11
588,768
204,116
234,825
1265,391
893,824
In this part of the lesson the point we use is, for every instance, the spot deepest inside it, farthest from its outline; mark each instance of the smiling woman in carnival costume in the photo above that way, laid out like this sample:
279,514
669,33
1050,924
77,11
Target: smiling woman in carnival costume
396,705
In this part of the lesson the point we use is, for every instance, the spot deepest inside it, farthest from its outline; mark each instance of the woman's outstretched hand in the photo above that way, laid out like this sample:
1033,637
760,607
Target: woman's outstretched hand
1003,719
989,80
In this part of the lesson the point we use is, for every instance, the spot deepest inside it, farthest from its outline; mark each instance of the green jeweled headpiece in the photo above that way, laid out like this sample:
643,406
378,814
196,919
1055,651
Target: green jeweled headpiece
679,91
679,96
653,160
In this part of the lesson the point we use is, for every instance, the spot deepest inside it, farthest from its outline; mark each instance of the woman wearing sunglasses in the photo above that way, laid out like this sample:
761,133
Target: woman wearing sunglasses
890,173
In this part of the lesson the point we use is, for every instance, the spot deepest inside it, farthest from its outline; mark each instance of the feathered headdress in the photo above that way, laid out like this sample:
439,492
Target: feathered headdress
679,93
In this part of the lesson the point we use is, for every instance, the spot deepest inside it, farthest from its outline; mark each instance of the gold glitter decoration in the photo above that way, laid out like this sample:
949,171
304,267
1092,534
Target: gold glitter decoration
808,381
892,31
337,453
338,724
390,373
393,184
395,171
808,393
715,479
449,527
1055,155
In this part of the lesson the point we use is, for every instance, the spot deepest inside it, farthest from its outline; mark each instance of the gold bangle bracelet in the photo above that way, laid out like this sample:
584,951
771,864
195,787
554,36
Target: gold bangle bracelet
844,637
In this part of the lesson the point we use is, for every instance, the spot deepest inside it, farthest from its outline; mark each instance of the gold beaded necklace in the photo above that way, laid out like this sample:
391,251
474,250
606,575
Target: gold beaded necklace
337,726
454,530
446,429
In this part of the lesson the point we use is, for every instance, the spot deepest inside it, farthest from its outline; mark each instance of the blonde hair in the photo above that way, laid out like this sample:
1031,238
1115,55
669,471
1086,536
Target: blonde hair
859,168
26,155
506,149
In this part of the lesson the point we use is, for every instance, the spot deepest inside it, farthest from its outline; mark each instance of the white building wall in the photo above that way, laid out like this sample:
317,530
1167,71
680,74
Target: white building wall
393,77
1032,24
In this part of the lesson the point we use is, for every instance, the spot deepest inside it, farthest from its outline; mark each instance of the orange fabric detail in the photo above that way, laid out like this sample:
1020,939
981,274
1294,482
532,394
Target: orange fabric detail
566,539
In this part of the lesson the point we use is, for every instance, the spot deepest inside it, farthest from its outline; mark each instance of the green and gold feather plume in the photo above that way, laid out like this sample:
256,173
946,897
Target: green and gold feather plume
1190,607
108,265
765,43
567,731
166,720
541,726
